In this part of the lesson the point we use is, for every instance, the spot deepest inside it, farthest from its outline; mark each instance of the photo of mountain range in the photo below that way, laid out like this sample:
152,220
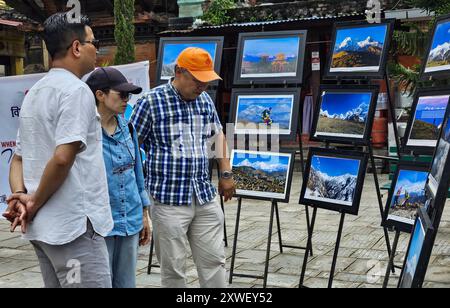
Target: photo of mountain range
430,113
414,252
264,114
333,180
409,195
172,51
270,57
439,56
261,174
359,49
343,114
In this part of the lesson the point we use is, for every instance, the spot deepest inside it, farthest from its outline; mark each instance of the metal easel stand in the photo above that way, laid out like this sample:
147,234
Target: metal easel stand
336,250
269,243
391,264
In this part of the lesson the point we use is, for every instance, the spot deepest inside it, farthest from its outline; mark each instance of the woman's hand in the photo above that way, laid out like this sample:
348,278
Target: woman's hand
146,233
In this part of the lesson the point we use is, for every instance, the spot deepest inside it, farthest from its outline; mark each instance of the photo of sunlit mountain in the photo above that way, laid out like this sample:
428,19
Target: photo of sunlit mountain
413,257
333,180
439,56
270,57
430,113
359,49
343,114
263,175
409,195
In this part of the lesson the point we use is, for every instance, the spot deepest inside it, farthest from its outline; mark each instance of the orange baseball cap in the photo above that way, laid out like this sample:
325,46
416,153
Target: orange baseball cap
199,63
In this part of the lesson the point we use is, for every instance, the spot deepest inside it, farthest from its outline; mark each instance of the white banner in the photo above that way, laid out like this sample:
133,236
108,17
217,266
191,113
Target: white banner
13,90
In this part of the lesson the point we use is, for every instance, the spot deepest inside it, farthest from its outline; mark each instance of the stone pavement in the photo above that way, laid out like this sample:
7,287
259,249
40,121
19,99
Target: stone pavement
361,264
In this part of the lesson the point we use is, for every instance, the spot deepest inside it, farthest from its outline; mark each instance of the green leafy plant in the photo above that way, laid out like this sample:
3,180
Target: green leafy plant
217,12
413,42
124,31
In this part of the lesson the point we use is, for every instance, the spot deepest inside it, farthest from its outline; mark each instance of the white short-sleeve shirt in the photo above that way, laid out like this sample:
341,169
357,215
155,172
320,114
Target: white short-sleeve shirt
60,109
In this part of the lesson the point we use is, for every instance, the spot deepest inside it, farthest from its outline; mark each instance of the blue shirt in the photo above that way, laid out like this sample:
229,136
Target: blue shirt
176,136
127,193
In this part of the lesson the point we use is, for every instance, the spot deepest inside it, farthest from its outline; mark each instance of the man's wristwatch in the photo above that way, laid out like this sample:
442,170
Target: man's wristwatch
226,175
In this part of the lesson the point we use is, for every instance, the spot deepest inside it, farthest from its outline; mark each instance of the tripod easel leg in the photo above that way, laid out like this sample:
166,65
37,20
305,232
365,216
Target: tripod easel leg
235,239
391,260
336,251
380,200
269,244
308,248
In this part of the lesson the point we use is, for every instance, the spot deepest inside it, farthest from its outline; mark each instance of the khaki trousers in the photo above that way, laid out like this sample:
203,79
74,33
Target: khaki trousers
201,227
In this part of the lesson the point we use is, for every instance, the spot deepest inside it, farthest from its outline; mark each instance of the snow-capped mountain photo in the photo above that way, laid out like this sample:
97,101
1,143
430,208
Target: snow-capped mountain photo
344,114
333,180
264,166
358,49
369,44
439,56
358,114
340,188
261,174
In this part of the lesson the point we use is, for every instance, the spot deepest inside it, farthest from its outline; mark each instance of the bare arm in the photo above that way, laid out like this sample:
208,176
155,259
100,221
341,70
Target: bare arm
16,181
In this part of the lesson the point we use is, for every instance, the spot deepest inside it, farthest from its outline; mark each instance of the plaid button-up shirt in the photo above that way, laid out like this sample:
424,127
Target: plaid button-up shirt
176,136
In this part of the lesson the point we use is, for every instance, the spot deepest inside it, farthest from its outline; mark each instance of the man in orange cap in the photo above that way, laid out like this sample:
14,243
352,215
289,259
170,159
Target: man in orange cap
175,122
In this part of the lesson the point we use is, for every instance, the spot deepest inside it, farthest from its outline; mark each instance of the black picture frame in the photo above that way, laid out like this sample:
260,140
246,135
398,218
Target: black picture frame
403,224
441,74
360,74
261,195
326,203
439,178
422,146
295,93
164,41
345,138
418,262
297,79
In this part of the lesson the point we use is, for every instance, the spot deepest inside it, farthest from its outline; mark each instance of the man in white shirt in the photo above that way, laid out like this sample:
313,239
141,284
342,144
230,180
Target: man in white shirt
58,178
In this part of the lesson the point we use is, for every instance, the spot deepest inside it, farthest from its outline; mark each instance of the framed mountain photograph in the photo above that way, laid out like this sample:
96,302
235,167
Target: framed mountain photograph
418,254
359,49
262,175
334,180
439,175
437,59
427,115
171,47
270,57
344,114
265,112
408,195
